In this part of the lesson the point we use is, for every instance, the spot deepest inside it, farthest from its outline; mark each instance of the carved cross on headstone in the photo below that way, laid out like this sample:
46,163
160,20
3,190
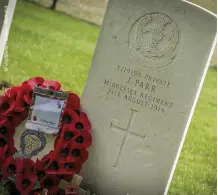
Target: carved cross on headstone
153,47
127,131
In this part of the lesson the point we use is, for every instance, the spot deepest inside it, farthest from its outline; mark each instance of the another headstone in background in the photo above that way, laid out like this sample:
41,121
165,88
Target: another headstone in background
45,3
89,10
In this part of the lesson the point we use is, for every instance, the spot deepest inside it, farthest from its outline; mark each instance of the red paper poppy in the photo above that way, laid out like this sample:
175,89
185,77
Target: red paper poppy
63,153
18,117
7,105
26,166
82,122
70,167
3,119
66,167
73,102
69,116
39,170
15,120
35,82
10,143
38,165
12,92
25,183
21,84
62,158
68,132
53,167
1,165
47,159
11,149
67,177
24,98
52,85
50,182
7,129
3,146
9,167
23,115
76,153
84,139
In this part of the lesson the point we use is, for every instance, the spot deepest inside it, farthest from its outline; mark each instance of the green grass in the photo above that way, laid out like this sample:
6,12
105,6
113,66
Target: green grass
50,44
55,46
196,170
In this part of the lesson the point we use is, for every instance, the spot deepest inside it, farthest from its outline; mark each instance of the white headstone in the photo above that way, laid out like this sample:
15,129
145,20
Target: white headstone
149,65
6,14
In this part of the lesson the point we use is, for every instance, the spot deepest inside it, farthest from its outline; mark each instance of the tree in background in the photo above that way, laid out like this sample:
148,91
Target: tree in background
54,3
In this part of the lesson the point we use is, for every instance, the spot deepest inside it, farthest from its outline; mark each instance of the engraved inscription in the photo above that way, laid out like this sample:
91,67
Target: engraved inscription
154,40
140,89
128,132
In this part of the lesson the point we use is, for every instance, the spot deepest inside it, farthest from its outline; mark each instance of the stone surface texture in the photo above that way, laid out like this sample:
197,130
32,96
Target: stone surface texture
146,71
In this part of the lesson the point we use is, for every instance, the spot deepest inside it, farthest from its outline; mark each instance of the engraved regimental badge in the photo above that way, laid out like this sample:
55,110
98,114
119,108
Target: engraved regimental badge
154,40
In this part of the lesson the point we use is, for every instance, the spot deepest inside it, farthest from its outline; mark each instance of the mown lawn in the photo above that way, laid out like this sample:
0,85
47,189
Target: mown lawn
55,46
50,44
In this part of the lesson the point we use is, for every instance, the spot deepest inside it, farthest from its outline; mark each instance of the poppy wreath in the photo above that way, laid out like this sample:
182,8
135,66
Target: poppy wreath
70,147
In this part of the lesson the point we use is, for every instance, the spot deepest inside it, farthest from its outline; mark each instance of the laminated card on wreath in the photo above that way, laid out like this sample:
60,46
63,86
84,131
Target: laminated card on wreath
36,136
